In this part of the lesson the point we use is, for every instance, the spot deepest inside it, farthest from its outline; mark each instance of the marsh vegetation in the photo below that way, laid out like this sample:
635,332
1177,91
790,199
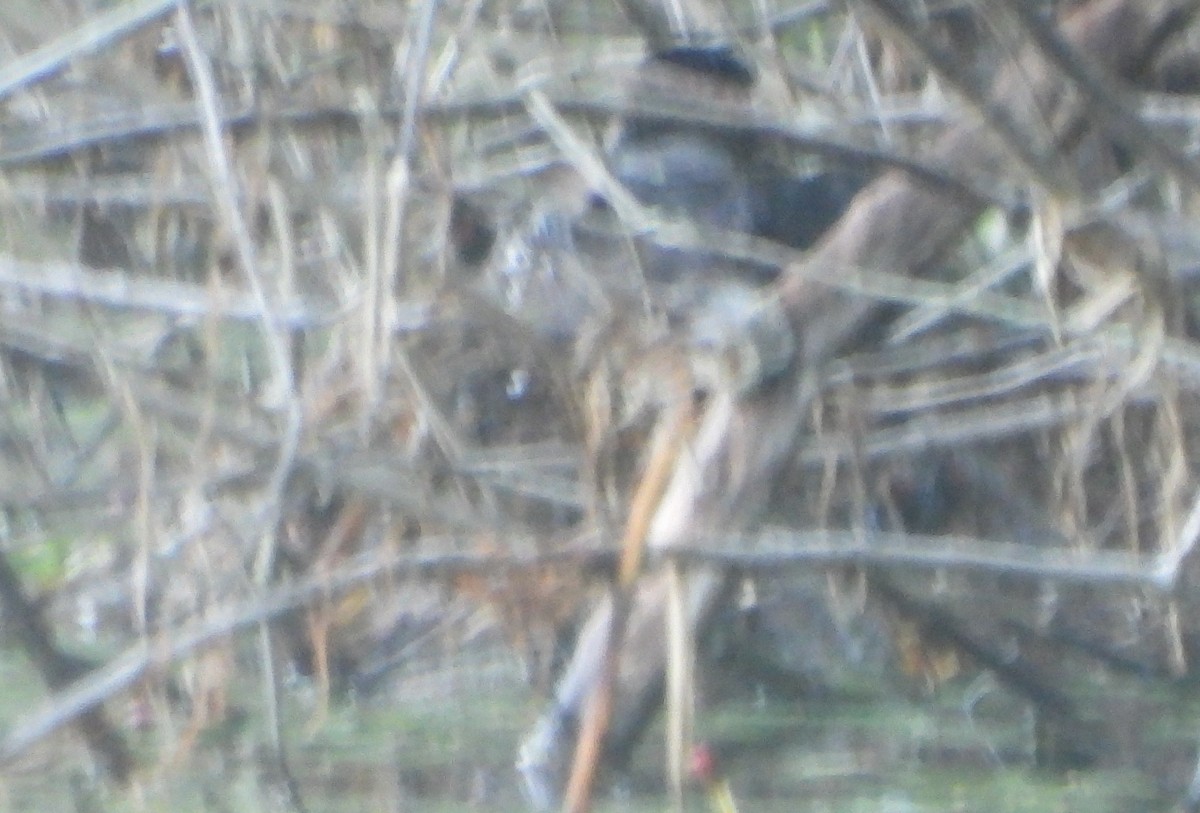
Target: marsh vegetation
394,392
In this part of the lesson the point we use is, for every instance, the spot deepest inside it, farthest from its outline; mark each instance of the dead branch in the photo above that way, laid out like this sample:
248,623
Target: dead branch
59,670
98,31
78,699
121,289
899,225
1117,115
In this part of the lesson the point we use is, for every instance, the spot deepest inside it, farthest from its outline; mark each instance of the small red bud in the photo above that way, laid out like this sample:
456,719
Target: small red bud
702,765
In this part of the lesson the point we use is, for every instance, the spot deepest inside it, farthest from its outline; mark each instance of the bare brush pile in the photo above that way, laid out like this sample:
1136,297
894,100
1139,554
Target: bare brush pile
345,323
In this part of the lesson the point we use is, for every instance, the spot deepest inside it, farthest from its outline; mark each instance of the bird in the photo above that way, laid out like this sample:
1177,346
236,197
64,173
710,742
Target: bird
562,262
724,178
715,178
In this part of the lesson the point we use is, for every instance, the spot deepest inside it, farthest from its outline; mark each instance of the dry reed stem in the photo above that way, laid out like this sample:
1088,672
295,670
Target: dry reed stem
1113,368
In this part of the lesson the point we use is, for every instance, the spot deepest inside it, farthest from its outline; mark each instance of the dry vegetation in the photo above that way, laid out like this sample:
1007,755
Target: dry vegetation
248,378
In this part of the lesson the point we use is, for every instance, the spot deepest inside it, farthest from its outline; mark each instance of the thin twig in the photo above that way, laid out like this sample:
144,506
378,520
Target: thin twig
1042,166
1114,113
225,188
101,28
774,551
120,289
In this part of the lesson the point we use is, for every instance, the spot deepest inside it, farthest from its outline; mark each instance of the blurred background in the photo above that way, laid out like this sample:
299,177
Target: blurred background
336,338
